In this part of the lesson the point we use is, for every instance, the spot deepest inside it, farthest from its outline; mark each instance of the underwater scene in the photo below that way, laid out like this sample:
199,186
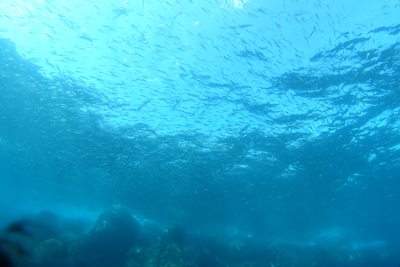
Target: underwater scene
199,133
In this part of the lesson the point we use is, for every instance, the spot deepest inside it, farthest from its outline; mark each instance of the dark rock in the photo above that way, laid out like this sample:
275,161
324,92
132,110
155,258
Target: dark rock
73,225
73,243
137,254
49,253
167,252
5,259
44,226
318,256
148,236
282,254
175,233
132,263
110,239
167,255
47,219
208,260
171,256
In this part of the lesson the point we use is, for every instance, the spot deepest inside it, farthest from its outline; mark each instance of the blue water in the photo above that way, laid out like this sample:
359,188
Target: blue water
275,120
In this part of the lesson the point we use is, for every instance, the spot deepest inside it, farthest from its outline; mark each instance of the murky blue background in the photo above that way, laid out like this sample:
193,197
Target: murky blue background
269,119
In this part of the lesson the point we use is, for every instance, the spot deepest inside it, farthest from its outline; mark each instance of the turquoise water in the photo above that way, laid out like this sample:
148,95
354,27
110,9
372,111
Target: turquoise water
272,120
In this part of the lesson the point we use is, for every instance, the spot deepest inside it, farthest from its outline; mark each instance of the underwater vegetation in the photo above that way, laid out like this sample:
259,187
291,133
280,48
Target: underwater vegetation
118,239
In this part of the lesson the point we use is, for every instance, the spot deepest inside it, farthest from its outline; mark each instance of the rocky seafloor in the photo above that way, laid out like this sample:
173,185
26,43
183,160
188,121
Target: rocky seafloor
118,239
